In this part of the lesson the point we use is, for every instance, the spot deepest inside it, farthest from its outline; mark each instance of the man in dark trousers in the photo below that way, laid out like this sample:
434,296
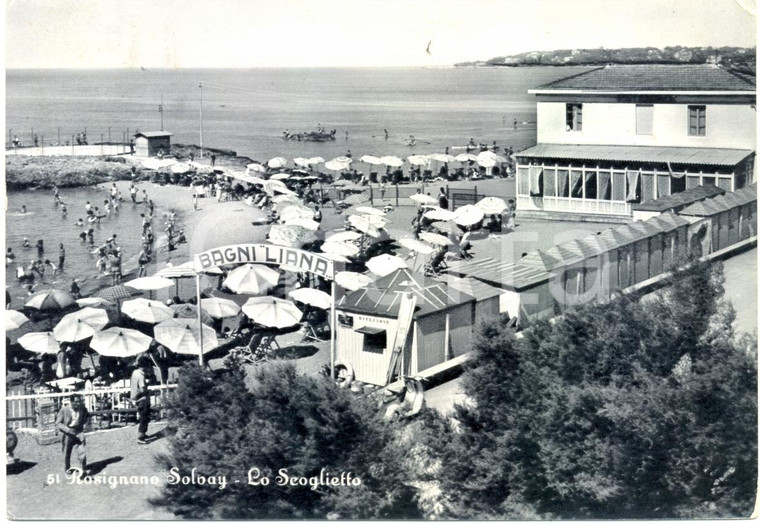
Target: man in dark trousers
140,396
70,422
443,200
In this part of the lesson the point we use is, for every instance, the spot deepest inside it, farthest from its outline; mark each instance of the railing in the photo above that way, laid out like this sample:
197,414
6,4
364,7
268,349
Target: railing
24,410
573,205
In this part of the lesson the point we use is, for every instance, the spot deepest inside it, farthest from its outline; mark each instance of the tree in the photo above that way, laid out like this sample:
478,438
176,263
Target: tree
285,421
639,408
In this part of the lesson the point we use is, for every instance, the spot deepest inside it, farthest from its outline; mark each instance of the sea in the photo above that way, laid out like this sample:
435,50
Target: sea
247,110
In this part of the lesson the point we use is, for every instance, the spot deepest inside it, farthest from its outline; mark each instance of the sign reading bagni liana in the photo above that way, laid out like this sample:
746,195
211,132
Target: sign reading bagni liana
314,263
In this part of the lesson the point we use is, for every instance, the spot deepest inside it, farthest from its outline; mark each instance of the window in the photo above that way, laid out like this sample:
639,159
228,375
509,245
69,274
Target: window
644,117
677,184
696,120
574,117
375,339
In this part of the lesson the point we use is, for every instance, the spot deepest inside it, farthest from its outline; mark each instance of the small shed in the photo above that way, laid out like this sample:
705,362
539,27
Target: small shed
150,143
674,202
733,216
442,325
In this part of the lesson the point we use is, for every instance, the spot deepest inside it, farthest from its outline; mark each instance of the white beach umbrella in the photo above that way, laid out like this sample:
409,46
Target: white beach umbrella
418,160
312,297
287,198
416,246
421,198
93,302
303,162
276,186
295,211
465,157
80,324
120,342
272,312
366,210
290,235
486,162
219,307
151,283
14,319
340,248
316,160
352,281
181,168
276,162
441,157
40,342
343,159
435,239
492,205
369,159
144,310
251,279
468,215
439,214
392,161
385,264
256,168
182,335
375,220
362,223
334,165
279,176
344,236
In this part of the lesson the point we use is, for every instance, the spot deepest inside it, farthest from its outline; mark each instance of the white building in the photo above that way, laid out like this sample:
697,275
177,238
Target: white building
615,136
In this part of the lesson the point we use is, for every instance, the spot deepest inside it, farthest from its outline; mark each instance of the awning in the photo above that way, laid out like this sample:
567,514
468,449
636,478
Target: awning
368,330
662,155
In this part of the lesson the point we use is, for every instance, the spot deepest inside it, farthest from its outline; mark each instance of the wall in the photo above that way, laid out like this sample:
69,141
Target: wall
728,126
369,366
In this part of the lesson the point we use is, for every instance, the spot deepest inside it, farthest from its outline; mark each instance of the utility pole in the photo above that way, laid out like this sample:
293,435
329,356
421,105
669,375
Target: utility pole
59,136
161,110
200,86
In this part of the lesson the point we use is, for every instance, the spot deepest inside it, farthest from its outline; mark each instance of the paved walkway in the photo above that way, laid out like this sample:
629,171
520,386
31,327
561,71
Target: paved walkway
89,150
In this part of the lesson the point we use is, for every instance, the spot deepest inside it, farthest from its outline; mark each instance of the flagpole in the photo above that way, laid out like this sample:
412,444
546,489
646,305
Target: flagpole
200,312
332,329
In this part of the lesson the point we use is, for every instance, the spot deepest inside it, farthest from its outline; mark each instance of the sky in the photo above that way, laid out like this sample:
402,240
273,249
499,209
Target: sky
342,33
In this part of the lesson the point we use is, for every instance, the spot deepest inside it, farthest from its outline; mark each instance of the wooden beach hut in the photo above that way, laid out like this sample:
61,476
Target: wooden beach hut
368,319
149,143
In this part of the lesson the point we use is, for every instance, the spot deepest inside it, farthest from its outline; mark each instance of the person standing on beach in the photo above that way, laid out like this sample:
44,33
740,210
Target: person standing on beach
70,422
133,193
40,249
140,396
443,200
61,256
195,201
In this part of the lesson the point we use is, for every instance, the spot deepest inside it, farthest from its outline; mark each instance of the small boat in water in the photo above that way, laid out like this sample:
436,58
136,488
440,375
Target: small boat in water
312,136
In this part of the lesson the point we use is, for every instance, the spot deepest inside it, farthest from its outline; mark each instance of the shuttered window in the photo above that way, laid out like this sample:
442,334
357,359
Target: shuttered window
696,120
574,117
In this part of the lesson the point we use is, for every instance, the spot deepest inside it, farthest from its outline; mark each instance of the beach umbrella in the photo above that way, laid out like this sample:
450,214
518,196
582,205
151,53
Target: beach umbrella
336,258
375,220
418,160
255,180
182,335
282,199
340,248
276,162
288,203
447,227
150,283
120,342
369,159
465,157
190,311
181,168
351,280
343,159
440,157
423,199
334,165
116,293
50,300
370,211
416,246
468,215
144,310
492,205
306,223
40,342
303,162
344,236
295,211
256,168
279,176
392,161
362,223
155,163
217,307
290,235
438,240
342,183
80,324
272,312
316,160
358,198
276,186
491,155
93,302
486,162
14,319
385,264
251,279
201,168
312,297
185,270
439,214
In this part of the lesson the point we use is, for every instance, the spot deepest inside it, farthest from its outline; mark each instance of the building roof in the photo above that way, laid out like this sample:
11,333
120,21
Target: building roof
471,286
722,203
662,155
153,134
653,77
500,273
680,200
383,298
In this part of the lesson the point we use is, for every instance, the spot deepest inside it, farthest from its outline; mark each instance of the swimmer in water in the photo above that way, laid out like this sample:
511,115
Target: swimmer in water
23,209
91,236
63,211
80,223
26,244
83,236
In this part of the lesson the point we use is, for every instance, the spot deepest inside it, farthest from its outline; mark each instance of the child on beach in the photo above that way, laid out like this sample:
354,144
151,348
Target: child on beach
25,244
